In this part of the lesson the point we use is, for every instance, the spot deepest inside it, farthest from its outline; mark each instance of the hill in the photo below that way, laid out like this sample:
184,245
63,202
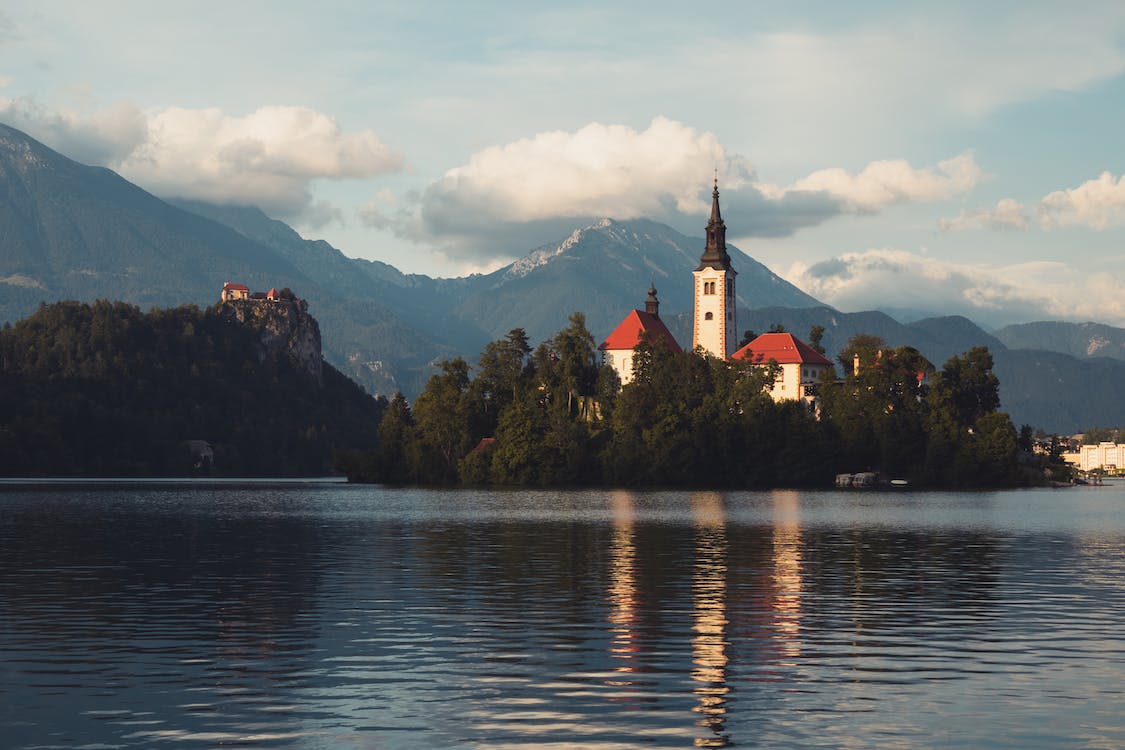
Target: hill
236,390
1081,340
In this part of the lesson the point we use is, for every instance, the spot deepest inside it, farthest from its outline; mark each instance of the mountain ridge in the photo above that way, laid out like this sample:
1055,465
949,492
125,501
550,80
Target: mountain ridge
74,231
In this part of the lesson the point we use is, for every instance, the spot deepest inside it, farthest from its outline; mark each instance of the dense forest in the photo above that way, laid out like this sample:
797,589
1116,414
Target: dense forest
553,417
106,390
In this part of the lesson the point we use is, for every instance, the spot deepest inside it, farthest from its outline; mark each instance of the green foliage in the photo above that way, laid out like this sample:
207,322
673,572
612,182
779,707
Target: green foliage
816,336
946,432
687,420
105,389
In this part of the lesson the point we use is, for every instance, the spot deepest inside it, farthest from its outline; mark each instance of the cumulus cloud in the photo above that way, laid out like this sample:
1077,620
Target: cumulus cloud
885,183
509,198
267,158
1098,204
1008,214
997,295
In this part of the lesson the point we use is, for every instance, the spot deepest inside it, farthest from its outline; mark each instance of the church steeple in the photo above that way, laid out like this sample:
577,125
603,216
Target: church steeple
716,325
652,304
715,252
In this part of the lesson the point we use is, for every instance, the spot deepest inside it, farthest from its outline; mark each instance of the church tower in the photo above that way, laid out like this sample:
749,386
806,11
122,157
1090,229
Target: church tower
715,327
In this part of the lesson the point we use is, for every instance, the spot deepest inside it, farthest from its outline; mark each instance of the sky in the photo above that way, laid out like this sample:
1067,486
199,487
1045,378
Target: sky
914,157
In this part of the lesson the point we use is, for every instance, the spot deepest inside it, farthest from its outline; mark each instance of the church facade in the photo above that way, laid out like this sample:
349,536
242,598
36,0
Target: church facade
715,325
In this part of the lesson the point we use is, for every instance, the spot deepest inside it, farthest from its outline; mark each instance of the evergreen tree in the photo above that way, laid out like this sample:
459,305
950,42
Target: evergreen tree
442,424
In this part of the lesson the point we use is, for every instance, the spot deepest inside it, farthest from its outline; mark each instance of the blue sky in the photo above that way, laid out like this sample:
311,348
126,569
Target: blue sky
934,157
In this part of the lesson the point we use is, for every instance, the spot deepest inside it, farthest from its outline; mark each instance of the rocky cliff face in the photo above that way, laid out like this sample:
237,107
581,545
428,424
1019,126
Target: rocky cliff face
282,328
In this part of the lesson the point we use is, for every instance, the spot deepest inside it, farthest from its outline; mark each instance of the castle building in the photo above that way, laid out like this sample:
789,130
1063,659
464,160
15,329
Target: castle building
617,349
715,324
233,291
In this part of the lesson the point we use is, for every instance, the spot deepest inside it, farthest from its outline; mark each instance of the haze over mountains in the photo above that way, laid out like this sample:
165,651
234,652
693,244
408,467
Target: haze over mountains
69,231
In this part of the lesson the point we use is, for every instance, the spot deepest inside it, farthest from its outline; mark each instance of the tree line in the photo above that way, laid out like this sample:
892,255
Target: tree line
552,416
104,389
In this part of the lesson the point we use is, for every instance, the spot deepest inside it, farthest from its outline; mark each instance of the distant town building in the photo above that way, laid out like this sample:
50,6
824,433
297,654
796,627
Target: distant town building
715,324
1107,456
801,365
617,349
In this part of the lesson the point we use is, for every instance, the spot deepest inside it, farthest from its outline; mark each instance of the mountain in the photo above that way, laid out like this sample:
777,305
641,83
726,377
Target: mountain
1081,340
70,231
605,270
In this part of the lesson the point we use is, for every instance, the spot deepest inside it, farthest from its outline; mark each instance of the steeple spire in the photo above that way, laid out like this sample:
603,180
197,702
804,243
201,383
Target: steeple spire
715,253
652,304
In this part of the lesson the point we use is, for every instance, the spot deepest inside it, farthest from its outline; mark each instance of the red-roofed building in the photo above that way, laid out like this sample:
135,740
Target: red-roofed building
617,349
234,291
801,365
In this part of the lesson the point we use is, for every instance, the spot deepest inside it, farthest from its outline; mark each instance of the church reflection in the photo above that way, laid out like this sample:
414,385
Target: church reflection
623,595
747,592
709,599
785,605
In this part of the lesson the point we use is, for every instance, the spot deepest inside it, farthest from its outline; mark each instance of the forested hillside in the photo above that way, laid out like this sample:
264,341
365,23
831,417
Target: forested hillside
107,390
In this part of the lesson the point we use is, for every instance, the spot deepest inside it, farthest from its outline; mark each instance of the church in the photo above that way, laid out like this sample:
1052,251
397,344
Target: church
715,324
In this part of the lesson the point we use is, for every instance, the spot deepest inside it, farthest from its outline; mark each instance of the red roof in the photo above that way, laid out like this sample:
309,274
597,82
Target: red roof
628,333
784,348
236,287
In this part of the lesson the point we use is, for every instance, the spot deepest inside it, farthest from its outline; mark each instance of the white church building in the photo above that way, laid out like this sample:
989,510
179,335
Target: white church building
715,325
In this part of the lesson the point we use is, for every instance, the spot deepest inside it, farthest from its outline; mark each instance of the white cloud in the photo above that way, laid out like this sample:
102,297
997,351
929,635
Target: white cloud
510,198
885,183
267,158
1008,214
1098,203
599,169
996,295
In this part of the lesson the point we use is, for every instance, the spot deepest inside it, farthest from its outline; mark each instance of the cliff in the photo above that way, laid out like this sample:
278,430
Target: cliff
282,328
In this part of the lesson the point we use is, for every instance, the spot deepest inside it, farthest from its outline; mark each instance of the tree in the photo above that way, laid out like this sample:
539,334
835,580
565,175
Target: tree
816,334
747,336
442,422
969,385
499,378
395,441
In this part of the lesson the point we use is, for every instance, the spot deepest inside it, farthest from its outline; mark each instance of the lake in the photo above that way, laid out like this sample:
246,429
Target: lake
324,615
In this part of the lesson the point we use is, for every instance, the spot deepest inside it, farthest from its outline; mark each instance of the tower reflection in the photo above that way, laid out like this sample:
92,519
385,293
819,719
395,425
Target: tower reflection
623,583
786,601
709,599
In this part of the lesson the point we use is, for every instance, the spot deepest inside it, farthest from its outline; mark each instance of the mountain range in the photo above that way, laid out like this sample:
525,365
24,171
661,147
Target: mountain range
71,231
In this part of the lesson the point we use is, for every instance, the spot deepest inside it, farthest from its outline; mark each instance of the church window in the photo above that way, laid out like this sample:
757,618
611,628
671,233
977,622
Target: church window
708,287
708,316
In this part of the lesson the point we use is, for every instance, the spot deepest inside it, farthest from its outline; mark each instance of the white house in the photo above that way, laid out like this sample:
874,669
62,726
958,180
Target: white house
801,365
617,349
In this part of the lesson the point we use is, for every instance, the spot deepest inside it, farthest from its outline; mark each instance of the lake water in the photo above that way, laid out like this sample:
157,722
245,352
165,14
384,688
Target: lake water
322,615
